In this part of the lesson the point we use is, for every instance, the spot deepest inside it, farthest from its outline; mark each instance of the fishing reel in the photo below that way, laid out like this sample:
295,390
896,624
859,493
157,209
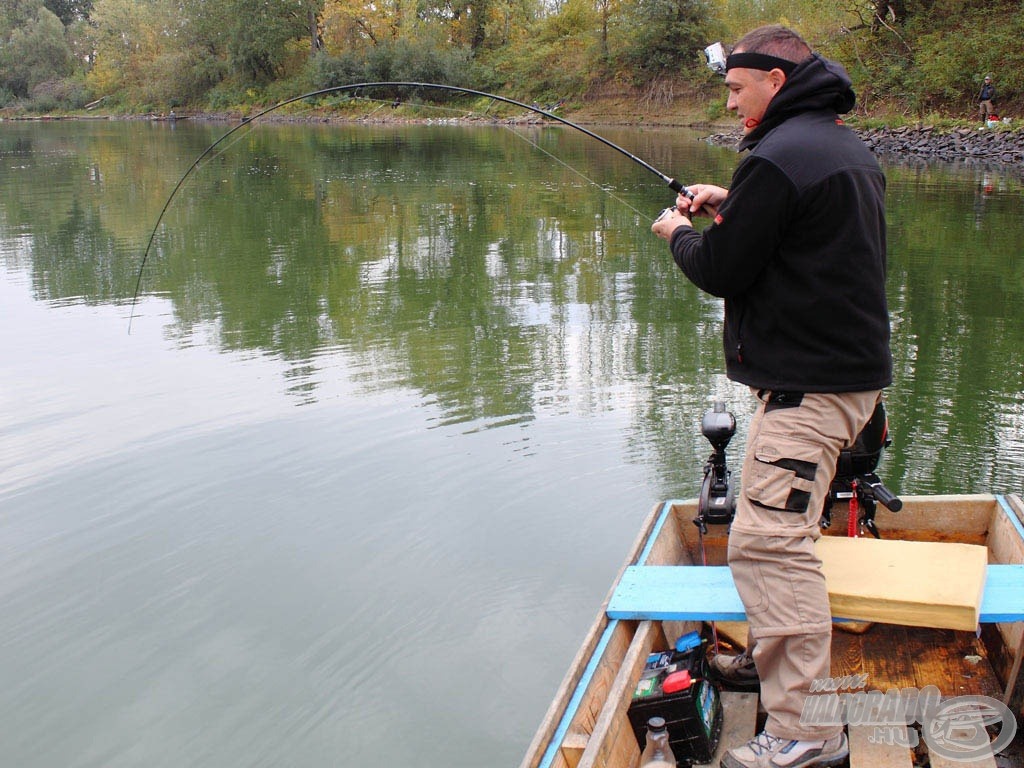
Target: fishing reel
665,213
855,480
717,502
685,191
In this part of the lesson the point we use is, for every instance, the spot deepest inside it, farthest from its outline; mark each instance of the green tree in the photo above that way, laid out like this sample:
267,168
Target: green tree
659,34
259,34
33,49
125,39
70,11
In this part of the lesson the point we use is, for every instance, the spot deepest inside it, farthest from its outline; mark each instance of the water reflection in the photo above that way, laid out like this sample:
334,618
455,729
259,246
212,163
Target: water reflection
952,289
458,262
464,265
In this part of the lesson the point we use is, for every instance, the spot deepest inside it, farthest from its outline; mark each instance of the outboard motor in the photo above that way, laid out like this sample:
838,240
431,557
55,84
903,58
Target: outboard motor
855,479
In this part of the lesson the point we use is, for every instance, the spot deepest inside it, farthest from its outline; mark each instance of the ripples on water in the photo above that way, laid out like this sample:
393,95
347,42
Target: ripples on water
225,575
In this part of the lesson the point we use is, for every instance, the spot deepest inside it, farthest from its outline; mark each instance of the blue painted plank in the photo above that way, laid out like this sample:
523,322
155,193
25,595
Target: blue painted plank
680,592
1005,506
707,593
577,696
1003,598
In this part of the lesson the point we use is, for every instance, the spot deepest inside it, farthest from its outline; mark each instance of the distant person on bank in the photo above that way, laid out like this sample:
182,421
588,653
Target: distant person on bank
985,99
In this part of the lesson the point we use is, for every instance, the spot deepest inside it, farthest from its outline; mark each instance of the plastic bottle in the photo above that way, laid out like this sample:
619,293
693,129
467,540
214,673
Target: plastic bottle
657,753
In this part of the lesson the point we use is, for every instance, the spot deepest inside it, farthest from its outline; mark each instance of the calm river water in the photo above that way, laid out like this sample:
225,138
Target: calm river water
394,403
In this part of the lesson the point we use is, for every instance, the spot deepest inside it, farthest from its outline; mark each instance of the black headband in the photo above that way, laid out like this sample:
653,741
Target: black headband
762,61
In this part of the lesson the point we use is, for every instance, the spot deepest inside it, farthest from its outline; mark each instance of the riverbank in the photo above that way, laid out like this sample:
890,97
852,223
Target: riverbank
1002,144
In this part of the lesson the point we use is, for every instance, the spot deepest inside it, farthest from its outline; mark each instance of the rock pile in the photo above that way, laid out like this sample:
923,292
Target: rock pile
986,145
999,145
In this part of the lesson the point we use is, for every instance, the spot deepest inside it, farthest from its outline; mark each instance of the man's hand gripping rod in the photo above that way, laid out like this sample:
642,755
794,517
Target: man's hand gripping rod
685,192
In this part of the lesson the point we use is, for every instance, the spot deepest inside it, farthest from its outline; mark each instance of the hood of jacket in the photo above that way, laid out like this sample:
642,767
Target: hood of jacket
816,84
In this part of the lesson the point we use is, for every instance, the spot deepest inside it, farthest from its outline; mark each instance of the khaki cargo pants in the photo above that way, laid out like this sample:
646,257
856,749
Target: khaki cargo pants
792,448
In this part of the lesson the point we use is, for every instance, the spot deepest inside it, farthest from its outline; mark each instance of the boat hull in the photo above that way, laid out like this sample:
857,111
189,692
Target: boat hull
586,724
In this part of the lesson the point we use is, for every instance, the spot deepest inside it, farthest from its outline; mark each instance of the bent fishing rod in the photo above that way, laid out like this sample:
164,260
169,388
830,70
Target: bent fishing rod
672,183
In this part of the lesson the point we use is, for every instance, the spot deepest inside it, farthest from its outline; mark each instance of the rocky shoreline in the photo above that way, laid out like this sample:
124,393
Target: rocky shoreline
1000,145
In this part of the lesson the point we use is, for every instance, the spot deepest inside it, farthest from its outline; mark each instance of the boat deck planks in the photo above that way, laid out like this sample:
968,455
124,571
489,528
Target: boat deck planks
895,656
987,760
865,753
613,741
937,761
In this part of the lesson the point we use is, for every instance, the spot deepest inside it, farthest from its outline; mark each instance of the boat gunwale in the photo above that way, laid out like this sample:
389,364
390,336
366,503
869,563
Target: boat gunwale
561,712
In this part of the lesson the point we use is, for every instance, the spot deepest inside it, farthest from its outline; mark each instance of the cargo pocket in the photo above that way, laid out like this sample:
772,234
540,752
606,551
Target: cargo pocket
783,473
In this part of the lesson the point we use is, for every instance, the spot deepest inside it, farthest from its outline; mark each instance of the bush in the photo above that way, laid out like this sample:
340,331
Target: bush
411,61
660,33
227,96
327,71
58,94
554,61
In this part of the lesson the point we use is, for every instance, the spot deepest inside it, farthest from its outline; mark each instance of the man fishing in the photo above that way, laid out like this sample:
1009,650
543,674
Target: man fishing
797,248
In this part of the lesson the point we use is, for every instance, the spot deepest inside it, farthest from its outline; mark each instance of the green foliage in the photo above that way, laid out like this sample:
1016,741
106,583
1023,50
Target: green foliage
918,57
660,34
327,71
935,60
59,95
174,78
258,36
549,70
951,67
716,109
17,13
229,96
397,60
574,20
418,61
32,49
69,11
554,62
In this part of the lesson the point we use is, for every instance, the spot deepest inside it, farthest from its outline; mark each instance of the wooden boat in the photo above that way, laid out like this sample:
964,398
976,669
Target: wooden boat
587,726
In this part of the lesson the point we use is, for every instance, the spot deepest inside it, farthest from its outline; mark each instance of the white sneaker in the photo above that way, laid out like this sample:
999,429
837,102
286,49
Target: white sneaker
766,751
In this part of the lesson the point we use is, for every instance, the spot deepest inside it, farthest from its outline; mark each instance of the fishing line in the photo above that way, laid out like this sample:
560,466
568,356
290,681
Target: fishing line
672,183
511,128
577,171
227,146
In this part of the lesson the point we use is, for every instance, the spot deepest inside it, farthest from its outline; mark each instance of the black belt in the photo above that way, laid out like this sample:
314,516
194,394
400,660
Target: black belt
780,398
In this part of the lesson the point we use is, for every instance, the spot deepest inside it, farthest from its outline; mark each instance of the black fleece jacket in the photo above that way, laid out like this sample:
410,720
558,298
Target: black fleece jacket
797,249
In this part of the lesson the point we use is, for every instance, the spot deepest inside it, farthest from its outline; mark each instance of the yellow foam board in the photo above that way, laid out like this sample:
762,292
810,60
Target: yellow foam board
917,583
